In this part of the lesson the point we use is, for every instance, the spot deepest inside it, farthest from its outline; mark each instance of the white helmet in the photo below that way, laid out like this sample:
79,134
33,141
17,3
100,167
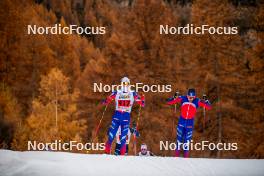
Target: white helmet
125,80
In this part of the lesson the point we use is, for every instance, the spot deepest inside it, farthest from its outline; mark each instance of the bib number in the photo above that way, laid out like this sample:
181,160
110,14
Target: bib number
123,103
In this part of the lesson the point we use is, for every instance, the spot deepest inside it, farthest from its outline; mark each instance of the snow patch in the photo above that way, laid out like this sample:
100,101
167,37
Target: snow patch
38,163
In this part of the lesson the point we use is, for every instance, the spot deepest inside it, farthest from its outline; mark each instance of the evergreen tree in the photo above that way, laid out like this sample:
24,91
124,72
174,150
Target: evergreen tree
54,113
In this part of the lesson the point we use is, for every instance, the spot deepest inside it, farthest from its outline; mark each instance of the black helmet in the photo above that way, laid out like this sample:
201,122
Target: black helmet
191,92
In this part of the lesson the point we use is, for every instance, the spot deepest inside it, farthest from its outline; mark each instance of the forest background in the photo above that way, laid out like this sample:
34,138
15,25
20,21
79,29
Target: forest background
46,81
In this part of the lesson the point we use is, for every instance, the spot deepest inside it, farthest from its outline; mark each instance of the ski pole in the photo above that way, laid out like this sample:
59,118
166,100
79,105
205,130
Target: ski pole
175,112
135,139
204,113
98,126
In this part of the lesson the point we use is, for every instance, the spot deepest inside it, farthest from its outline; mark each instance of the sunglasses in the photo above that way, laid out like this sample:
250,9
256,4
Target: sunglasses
125,83
190,97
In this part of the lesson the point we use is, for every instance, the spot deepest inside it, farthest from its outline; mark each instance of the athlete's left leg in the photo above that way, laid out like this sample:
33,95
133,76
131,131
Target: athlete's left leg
180,135
188,136
124,130
112,131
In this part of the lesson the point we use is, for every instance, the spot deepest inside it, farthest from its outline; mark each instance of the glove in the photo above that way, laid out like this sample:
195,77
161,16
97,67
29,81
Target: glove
104,102
169,99
133,130
206,101
142,97
176,94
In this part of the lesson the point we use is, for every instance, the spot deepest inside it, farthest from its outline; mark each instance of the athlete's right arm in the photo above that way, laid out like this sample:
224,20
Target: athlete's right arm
173,100
110,98
139,99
